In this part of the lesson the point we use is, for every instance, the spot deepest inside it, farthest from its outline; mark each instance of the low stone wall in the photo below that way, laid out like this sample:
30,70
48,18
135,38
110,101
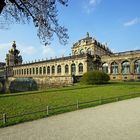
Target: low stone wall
49,81
53,81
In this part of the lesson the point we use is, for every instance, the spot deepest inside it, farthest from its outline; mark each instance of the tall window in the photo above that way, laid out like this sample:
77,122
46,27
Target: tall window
73,69
125,67
137,66
27,71
19,71
36,70
24,71
53,69
44,70
48,70
105,67
33,70
80,67
114,68
58,69
66,69
40,70
30,71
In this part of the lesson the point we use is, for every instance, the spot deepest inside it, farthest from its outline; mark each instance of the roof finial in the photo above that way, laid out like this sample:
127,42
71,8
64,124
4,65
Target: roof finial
14,44
87,34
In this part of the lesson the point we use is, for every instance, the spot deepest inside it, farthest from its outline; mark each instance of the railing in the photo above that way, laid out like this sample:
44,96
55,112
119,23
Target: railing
50,110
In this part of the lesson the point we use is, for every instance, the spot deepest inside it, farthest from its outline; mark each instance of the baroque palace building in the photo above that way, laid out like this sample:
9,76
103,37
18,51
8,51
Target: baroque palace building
87,55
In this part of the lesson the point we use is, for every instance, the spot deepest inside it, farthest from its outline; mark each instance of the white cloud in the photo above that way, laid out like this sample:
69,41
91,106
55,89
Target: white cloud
48,51
132,22
90,5
93,2
27,50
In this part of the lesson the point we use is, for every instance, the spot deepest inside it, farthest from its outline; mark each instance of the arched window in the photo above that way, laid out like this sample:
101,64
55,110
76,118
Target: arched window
105,67
44,70
66,69
40,70
14,72
114,68
89,51
27,71
19,71
81,51
125,67
73,69
36,70
48,70
58,69
53,69
137,66
80,67
30,71
33,70
24,71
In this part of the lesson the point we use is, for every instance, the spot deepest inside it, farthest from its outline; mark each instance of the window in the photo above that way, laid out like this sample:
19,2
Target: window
80,67
125,67
40,70
19,71
53,69
66,69
48,70
58,69
137,66
105,67
27,71
44,70
30,71
73,69
33,70
36,70
114,68
24,71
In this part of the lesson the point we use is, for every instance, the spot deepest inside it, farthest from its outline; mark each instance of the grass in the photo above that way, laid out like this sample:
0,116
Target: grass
19,103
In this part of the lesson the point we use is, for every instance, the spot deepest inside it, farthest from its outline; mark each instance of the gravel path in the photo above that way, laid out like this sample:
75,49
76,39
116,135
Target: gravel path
114,121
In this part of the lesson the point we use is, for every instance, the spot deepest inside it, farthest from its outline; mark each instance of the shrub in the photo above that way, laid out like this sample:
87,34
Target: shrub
1,86
95,77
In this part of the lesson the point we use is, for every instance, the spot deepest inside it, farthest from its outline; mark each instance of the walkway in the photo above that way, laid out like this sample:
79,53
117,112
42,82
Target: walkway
114,121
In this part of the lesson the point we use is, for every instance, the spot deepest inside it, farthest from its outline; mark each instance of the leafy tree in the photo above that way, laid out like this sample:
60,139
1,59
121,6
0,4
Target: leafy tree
42,12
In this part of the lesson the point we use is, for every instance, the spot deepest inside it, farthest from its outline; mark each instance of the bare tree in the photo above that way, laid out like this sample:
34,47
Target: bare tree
42,12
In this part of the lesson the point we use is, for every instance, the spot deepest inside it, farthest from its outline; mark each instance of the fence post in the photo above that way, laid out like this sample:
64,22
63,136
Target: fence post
100,100
77,104
47,110
117,99
4,118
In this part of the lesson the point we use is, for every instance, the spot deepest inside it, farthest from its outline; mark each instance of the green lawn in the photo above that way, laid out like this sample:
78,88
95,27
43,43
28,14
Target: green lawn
19,103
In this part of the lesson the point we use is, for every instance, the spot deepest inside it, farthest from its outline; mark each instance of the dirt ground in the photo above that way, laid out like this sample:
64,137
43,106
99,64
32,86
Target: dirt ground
114,121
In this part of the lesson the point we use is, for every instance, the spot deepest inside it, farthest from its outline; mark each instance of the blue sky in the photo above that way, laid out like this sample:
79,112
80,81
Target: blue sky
116,22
